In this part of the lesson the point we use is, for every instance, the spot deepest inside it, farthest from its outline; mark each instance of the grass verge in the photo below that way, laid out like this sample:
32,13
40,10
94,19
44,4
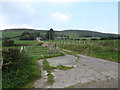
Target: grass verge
72,53
103,52
61,67
21,77
48,68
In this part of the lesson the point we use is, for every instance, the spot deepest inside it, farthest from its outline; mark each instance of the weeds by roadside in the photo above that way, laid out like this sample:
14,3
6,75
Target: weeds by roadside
71,53
20,71
61,67
48,68
104,49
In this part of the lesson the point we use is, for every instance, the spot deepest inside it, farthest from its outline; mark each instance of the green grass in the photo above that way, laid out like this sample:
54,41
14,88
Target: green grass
105,49
72,53
11,33
48,68
61,67
72,35
26,76
26,42
50,79
6,48
20,77
39,52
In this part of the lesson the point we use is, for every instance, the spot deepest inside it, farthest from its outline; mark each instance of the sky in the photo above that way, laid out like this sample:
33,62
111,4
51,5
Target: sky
62,15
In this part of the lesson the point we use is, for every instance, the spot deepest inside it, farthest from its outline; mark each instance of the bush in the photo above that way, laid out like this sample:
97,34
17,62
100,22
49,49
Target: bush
109,38
94,39
83,39
24,37
77,39
12,59
8,43
28,36
18,69
5,38
25,33
103,38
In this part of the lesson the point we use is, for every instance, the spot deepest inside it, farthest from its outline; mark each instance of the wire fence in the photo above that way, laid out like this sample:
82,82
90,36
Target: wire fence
40,51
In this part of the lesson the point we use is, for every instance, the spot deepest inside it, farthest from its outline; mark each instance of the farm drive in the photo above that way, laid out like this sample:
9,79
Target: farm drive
88,72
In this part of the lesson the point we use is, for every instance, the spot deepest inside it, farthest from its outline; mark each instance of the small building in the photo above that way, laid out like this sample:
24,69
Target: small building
38,38
62,37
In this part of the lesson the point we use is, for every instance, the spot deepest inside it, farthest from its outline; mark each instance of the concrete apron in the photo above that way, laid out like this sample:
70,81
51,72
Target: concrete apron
88,72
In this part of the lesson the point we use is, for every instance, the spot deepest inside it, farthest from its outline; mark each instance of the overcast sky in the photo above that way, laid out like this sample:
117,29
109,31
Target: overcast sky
95,16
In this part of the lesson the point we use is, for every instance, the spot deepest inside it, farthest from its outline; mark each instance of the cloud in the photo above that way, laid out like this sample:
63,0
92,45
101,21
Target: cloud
2,27
59,1
61,17
17,12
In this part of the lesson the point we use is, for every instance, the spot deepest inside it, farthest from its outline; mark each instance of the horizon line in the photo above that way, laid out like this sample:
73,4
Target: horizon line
63,30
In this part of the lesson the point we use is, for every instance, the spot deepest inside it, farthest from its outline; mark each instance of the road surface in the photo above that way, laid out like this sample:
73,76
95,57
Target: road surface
88,72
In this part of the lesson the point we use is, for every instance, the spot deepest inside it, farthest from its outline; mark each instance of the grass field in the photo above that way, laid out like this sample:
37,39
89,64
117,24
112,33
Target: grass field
27,42
105,49
11,33
29,72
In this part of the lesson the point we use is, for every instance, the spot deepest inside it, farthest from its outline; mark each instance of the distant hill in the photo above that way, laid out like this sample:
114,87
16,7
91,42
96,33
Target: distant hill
84,33
70,33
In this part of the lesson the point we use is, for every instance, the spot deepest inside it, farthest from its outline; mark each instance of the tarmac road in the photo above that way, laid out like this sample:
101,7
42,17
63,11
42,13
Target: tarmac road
88,72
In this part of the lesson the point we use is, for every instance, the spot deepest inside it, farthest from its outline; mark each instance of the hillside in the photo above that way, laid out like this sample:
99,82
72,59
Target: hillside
70,33
83,33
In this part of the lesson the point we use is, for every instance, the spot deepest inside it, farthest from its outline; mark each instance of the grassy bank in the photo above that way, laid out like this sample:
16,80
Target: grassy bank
25,76
105,49
48,69
17,74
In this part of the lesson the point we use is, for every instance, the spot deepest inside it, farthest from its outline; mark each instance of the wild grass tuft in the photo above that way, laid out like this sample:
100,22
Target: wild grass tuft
61,67
48,68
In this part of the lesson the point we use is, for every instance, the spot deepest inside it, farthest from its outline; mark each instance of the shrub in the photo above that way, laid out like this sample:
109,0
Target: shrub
103,38
94,39
77,39
8,43
25,33
28,36
18,69
83,39
50,79
109,38
5,38
12,59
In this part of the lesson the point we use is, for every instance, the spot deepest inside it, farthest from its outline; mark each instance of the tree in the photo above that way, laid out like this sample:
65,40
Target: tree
25,33
8,43
13,59
38,34
47,35
28,36
50,34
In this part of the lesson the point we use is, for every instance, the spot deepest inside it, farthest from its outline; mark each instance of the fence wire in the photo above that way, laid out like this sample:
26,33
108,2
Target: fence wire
40,51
